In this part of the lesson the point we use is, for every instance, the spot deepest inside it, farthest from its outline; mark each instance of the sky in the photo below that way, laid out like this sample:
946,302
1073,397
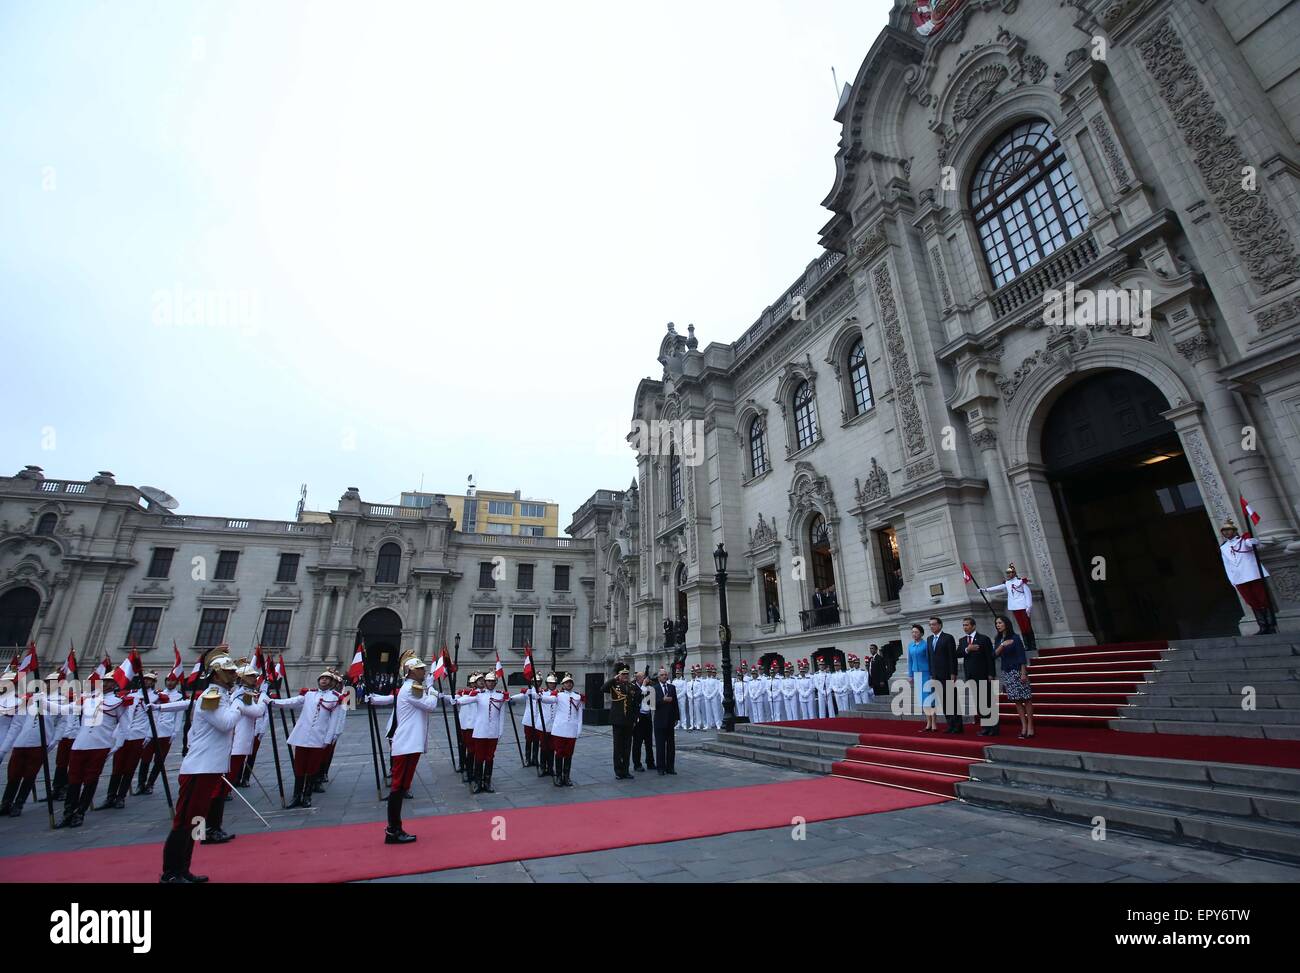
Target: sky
248,246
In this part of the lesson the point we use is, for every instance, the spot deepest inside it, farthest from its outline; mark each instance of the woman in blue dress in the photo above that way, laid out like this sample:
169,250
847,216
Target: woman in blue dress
918,670
1015,673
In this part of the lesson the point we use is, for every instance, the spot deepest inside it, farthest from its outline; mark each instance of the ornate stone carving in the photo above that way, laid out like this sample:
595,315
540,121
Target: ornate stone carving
1255,228
985,439
1110,151
978,90
936,258
1196,348
900,366
1041,556
1207,474
873,243
919,469
876,487
1278,314
810,492
764,535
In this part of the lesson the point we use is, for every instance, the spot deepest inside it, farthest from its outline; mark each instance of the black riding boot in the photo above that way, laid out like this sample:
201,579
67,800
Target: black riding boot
173,858
557,770
297,794
87,799
60,783
478,776
71,800
396,834
11,789
215,834
110,799
469,768
23,793
568,766
153,776
123,788
187,856
487,777
142,777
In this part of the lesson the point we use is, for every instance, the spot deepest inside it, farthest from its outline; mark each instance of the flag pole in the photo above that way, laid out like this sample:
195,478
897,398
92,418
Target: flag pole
981,593
505,701
374,730
1254,549
153,733
45,761
455,710
446,722
275,751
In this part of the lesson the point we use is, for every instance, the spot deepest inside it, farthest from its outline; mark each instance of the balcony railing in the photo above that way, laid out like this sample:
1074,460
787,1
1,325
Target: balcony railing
1064,265
802,287
512,540
398,513
815,618
244,526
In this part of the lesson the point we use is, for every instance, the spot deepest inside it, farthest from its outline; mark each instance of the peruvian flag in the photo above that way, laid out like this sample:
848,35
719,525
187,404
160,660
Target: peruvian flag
1247,512
69,668
966,575
358,667
440,667
259,661
528,662
277,670
930,15
126,672
28,661
101,670
178,667
500,670
195,672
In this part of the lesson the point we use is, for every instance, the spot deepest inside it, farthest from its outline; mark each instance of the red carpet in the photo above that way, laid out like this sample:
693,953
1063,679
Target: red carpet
356,851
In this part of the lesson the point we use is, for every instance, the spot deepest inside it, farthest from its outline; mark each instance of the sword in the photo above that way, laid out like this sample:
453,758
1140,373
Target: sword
234,790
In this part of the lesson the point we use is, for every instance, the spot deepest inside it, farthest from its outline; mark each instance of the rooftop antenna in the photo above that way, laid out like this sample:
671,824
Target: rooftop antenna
302,502
469,490
835,80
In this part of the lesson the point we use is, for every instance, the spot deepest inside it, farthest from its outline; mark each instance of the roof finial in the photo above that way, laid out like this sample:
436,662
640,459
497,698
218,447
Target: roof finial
692,342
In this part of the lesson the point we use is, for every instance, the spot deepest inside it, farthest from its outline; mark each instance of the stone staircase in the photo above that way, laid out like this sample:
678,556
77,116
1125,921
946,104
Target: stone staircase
1243,808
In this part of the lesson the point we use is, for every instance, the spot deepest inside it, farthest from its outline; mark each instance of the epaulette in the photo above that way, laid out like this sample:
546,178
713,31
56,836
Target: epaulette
417,690
211,698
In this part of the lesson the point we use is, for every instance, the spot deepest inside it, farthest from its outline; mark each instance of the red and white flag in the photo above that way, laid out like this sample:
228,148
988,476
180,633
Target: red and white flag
69,668
178,668
125,674
101,671
1247,512
500,670
358,667
195,672
440,667
28,661
259,661
966,575
528,662
277,669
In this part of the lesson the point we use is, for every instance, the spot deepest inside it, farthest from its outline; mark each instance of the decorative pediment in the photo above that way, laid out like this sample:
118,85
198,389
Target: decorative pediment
810,492
764,535
791,376
745,415
875,488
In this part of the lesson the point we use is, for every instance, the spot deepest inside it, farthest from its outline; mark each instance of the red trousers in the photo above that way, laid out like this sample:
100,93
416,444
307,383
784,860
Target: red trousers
467,738
1254,594
164,747
1022,620
237,762
127,757
64,753
532,734
307,761
548,743
484,749
197,792
85,766
24,762
404,771
564,745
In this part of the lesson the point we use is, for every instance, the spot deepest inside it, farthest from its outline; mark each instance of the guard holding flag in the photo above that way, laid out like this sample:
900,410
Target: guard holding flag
1020,602
311,733
1242,565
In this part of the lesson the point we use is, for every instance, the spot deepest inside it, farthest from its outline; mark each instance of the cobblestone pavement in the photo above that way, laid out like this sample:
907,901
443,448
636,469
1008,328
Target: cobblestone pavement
951,842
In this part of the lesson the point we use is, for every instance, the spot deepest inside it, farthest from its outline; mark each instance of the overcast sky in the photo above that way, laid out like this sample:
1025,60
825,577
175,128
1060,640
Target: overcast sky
249,246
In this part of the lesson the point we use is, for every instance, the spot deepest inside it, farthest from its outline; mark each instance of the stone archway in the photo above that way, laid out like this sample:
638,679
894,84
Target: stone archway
381,630
19,607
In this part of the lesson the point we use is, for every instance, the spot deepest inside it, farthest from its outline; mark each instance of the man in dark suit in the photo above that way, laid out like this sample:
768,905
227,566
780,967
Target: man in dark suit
666,716
624,709
981,668
941,650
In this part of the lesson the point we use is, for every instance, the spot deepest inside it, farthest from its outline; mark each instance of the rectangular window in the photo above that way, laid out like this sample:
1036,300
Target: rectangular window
527,531
523,631
525,578
891,568
227,561
470,516
275,630
560,631
485,579
561,577
500,528
771,595
161,564
144,627
212,627
537,510
288,572
502,508
484,631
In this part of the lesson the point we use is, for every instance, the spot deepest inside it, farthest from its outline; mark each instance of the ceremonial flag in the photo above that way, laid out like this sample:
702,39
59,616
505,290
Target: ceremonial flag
69,668
178,668
277,669
966,575
124,674
500,670
195,672
259,661
528,662
1247,512
358,667
28,661
440,667
101,671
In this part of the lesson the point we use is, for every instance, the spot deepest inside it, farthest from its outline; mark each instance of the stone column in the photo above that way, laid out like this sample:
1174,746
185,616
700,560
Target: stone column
1008,531
332,653
321,635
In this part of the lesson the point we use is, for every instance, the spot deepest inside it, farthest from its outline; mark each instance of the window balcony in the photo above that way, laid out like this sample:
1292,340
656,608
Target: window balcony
815,618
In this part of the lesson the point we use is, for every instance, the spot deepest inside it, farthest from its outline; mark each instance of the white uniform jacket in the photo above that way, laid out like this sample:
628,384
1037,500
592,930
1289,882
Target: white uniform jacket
212,729
414,703
564,713
1239,560
1019,597
316,719
99,718
489,708
249,716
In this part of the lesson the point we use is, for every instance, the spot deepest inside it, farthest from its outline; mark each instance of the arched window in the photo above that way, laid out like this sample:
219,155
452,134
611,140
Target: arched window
45,526
1025,200
860,378
805,416
758,447
389,564
674,477
18,608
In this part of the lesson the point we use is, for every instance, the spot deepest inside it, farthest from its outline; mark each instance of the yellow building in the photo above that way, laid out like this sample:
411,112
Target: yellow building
493,512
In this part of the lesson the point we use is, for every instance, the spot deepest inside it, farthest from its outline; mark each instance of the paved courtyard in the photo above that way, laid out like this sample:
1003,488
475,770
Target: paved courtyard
951,842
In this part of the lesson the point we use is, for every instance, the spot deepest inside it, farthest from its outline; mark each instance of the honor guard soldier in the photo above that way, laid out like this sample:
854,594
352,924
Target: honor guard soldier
859,690
679,682
1246,572
712,698
211,734
821,682
311,734
838,682
544,718
738,690
336,727
531,724
790,694
624,711
22,744
246,729
756,691
132,732
65,732
1020,602
488,705
565,712
100,715
466,716
775,707
408,735
166,724
806,692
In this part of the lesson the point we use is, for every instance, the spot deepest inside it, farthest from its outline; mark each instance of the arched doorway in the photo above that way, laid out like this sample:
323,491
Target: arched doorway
765,662
18,608
825,599
1125,493
683,610
828,656
381,630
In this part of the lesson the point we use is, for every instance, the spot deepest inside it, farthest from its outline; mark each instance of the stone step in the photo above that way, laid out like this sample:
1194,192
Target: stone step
814,748
1234,641
1211,700
772,757
1249,649
1255,731
1227,661
1234,677
1226,714
844,739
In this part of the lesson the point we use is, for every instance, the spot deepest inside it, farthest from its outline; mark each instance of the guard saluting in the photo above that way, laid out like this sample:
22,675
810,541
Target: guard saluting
1247,574
207,758
624,709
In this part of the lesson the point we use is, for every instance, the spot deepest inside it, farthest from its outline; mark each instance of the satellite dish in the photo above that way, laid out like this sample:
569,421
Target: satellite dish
159,498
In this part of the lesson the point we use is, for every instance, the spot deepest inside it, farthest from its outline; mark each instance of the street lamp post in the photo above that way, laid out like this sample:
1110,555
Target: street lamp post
724,634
